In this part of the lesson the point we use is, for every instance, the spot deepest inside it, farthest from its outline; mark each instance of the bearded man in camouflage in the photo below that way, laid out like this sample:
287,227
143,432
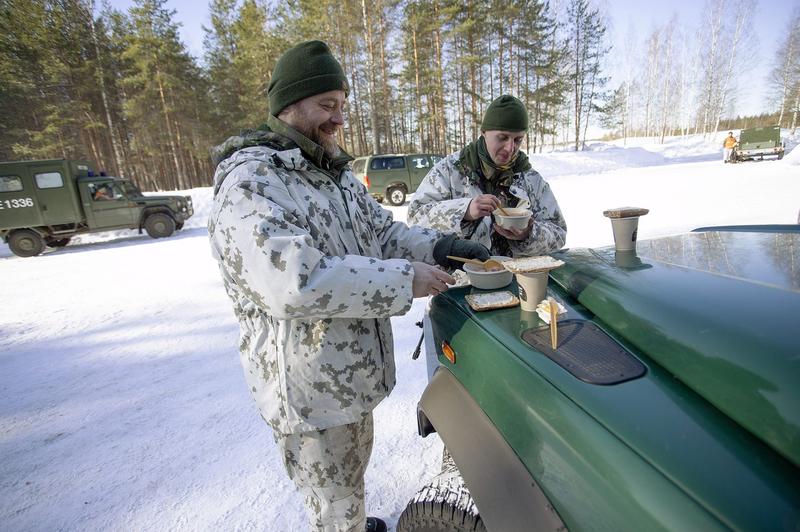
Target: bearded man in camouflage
315,268
460,193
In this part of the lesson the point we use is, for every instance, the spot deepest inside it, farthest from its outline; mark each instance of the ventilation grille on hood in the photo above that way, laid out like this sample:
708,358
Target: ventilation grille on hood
586,352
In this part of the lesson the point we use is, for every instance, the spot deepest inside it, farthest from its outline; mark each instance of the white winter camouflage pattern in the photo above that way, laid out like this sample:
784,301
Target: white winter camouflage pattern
315,269
328,468
441,201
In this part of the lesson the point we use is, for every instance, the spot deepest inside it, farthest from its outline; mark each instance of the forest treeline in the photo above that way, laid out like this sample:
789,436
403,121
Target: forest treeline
79,80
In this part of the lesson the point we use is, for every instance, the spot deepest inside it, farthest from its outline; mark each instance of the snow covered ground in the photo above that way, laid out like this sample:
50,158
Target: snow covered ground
123,402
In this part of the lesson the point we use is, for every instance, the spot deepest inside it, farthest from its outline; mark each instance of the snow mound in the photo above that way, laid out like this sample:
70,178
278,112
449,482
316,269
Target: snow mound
791,155
634,152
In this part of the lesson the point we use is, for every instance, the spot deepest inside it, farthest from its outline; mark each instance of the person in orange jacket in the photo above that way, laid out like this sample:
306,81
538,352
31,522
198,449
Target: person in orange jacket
727,147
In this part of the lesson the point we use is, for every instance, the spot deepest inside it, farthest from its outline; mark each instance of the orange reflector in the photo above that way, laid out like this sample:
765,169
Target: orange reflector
366,180
448,352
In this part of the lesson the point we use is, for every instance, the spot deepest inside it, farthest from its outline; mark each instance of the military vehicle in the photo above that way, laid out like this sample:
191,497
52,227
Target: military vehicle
393,176
45,203
671,400
757,143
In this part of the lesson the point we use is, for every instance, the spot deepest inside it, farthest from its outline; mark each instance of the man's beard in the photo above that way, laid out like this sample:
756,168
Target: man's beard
327,142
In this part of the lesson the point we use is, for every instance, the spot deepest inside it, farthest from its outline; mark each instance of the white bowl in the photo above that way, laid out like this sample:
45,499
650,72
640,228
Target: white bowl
480,278
516,219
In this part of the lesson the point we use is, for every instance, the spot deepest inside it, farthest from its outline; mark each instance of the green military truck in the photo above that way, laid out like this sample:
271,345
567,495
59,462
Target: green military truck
393,176
45,203
757,143
670,402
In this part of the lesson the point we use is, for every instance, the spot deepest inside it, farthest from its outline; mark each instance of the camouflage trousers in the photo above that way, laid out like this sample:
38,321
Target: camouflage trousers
328,466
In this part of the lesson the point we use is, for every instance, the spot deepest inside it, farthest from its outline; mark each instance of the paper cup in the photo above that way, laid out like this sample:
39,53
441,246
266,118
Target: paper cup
625,232
532,289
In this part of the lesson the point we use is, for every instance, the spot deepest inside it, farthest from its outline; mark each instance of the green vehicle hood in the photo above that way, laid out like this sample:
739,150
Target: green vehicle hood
718,309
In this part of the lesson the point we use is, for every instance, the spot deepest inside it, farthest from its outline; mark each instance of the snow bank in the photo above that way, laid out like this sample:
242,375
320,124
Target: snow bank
634,152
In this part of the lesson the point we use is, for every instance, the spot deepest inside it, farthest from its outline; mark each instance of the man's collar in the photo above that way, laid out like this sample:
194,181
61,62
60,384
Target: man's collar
313,151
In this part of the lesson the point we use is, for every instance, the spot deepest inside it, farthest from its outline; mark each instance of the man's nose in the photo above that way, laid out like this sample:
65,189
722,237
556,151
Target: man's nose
338,117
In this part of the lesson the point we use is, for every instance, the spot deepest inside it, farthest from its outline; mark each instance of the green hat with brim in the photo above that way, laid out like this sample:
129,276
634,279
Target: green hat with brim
304,70
505,113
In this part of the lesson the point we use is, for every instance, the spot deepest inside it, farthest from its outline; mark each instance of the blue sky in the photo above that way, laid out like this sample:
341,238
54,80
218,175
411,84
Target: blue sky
642,15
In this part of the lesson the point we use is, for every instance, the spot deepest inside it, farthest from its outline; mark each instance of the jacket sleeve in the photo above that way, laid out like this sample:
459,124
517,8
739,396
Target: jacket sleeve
549,231
436,203
272,260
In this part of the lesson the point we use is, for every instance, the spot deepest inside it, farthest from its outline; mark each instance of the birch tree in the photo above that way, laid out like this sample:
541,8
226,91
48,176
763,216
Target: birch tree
587,48
739,13
785,76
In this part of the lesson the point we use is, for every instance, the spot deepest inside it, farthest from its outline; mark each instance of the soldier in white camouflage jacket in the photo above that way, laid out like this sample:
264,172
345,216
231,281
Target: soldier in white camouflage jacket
461,191
315,268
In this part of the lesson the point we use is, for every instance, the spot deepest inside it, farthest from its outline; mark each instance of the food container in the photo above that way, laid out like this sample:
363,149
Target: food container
488,280
516,219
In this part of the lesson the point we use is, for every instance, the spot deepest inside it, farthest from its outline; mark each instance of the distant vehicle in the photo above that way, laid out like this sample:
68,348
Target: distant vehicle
758,142
393,176
47,202
671,403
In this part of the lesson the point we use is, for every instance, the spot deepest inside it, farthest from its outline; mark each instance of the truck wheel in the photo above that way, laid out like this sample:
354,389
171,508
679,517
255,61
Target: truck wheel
159,225
443,505
57,242
396,196
26,243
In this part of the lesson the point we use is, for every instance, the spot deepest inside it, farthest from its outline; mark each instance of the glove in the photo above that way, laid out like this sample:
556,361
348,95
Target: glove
458,247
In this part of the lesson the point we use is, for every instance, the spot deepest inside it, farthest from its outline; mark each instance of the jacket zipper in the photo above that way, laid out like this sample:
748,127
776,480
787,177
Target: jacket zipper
338,183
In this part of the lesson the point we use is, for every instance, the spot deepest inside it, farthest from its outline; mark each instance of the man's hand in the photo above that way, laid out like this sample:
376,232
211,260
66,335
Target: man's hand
429,280
481,206
452,245
514,234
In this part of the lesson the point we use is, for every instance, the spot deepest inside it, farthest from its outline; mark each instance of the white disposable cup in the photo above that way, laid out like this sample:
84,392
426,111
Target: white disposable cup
532,289
625,232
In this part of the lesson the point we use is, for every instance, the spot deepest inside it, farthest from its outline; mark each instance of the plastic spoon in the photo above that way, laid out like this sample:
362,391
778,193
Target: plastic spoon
484,264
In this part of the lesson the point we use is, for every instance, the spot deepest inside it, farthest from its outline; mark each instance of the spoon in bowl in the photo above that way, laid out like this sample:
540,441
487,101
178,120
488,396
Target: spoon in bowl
488,263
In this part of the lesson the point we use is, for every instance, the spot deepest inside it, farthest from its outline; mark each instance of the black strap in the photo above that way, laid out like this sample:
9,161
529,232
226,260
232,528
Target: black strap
418,349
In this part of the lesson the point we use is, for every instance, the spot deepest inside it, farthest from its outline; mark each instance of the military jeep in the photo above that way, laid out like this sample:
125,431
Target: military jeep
393,177
757,143
46,203
670,402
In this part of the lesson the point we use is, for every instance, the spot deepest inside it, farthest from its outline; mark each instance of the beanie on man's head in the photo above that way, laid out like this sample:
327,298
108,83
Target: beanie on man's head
304,70
505,113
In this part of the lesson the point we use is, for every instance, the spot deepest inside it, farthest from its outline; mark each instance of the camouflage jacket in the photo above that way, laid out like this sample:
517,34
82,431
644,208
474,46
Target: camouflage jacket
315,268
444,195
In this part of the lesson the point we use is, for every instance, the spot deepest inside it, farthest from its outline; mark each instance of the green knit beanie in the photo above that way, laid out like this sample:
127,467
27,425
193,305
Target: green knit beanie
505,113
304,70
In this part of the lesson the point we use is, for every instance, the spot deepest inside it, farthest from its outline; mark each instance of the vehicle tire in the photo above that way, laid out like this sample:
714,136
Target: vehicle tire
396,196
57,242
159,225
26,243
443,505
